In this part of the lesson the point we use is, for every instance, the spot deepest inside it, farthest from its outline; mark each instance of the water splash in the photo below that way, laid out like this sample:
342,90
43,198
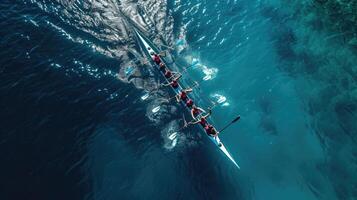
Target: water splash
156,109
145,95
170,135
220,99
208,72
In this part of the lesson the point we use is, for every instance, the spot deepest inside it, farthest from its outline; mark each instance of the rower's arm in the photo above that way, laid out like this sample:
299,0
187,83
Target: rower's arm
178,98
188,90
208,114
201,109
193,116
167,84
195,122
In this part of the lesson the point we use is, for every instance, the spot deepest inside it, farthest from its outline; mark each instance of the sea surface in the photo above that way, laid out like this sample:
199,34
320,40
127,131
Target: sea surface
74,125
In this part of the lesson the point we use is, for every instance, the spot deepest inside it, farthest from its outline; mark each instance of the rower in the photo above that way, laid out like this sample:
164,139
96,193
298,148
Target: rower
156,59
189,103
168,73
162,67
174,82
196,111
210,130
183,95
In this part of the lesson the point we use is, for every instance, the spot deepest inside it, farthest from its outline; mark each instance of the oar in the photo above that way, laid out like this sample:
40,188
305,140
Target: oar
195,84
185,123
170,98
144,61
232,122
181,128
184,69
162,53
214,104
167,47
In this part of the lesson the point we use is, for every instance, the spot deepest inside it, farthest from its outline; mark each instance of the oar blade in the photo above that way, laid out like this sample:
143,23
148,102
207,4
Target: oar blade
236,119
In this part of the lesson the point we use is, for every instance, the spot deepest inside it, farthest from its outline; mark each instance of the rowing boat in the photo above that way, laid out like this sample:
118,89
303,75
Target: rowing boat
149,49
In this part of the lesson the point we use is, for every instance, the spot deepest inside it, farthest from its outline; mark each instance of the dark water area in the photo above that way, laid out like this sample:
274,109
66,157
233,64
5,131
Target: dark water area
49,111
59,99
74,126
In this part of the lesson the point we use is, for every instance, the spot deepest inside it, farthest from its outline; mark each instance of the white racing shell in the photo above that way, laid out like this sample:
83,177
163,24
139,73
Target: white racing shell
216,141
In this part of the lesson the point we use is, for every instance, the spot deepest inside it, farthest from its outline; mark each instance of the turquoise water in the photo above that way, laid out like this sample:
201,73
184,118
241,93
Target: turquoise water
75,127
248,42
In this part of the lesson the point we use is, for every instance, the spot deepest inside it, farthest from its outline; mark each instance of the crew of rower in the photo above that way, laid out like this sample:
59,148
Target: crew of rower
173,78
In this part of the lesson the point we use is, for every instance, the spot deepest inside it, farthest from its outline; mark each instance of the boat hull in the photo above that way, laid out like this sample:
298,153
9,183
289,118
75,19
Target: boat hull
149,49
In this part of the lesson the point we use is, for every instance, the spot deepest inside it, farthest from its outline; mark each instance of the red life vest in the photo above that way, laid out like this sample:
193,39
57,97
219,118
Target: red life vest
203,121
174,84
168,74
156,59
162,67
183,95
195,111
189,103
209,129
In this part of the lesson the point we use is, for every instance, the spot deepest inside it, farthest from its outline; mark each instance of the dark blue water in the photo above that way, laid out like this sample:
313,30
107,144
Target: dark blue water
73,125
